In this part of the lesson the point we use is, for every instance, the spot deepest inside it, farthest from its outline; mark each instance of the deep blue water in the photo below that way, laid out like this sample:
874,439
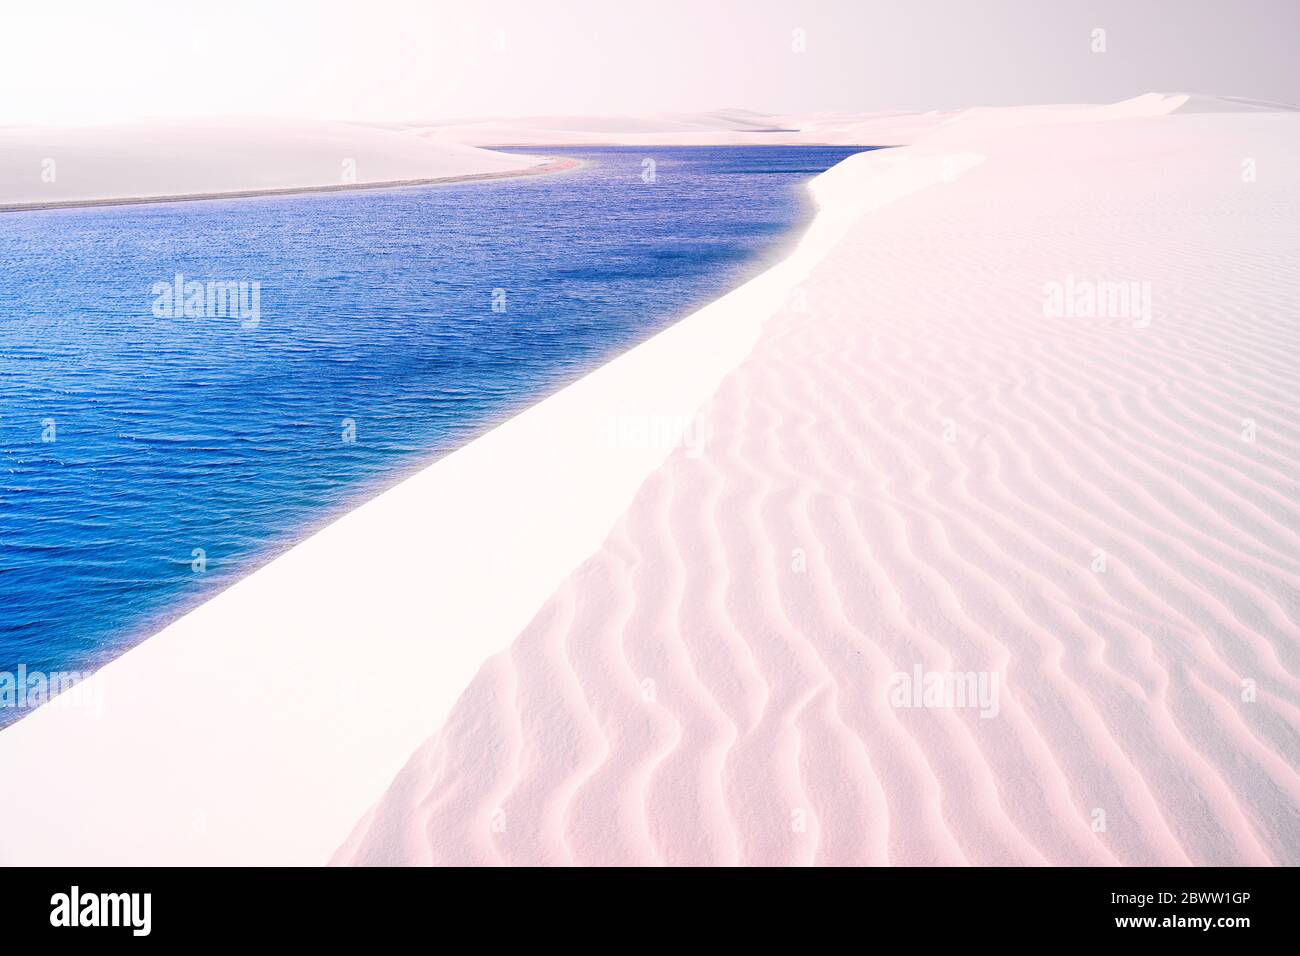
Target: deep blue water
172,434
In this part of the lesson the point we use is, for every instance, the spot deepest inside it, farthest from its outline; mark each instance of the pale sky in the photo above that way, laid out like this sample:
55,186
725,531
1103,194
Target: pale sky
86,61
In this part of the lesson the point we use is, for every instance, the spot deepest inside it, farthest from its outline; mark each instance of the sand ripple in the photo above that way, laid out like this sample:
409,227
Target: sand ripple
920,468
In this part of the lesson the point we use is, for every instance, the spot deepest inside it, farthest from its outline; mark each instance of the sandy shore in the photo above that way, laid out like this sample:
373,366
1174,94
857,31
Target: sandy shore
566,643
550,166
227,159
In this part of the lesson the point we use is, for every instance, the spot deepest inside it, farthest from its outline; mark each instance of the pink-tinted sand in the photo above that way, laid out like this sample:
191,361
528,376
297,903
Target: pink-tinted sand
918,466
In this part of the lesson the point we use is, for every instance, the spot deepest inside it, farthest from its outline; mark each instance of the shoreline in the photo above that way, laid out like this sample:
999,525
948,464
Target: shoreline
557,165
419,461
296,748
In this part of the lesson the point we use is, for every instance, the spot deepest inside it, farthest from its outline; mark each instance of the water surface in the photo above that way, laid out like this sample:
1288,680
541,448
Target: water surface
187,451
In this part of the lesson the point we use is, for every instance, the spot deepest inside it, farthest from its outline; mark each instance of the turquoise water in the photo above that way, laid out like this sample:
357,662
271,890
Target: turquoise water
149,457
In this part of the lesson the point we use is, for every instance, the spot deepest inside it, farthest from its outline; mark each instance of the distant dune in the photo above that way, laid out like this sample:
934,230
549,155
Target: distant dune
744,127
52,167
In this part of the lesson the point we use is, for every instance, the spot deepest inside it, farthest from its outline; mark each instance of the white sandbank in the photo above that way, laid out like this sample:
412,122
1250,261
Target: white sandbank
51,167
264,725
930,466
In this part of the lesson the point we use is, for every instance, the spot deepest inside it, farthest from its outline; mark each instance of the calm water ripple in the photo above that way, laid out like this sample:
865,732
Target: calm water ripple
173,434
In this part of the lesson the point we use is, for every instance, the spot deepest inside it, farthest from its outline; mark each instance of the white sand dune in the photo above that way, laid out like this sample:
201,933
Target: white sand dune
920,468
904,462
718,128
1203,103
42,167
746,128
718,121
